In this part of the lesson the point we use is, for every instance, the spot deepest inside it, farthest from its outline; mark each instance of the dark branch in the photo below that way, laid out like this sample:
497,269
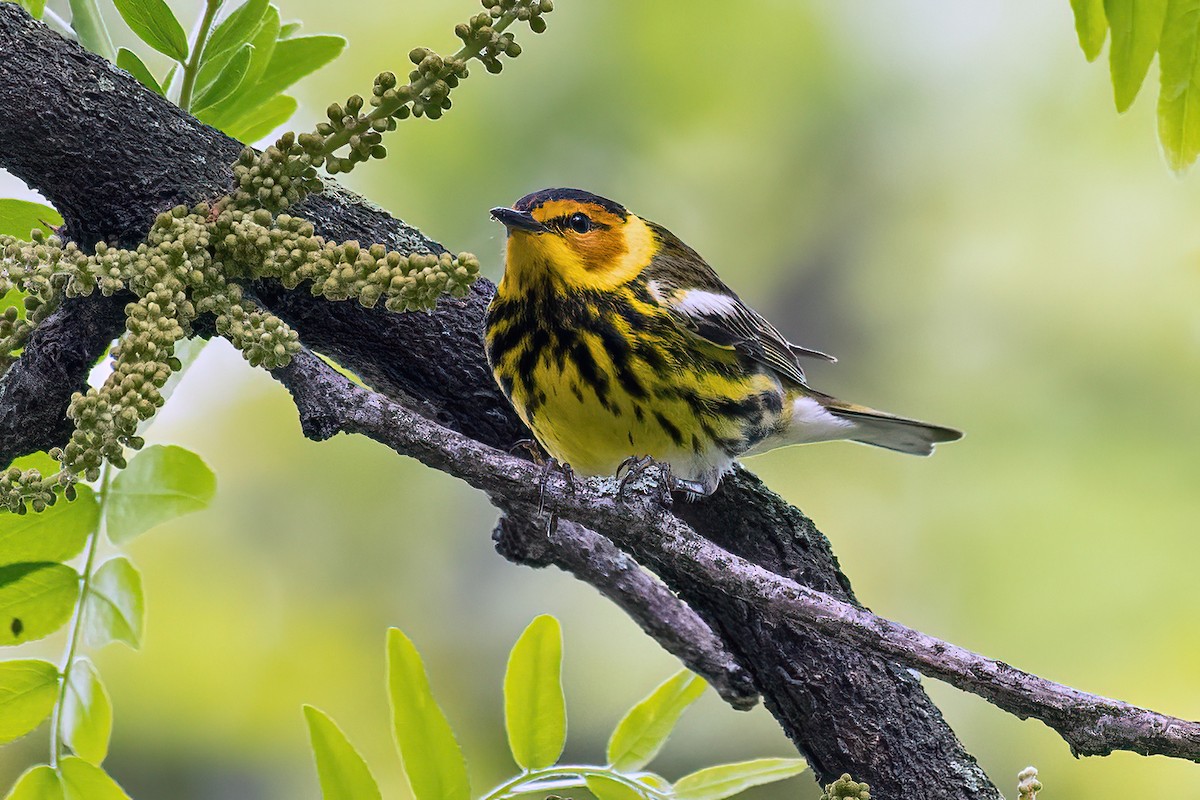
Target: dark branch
110,154
524,537
1091,725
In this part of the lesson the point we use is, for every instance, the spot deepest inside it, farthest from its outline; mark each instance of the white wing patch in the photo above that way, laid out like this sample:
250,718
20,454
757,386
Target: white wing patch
698,301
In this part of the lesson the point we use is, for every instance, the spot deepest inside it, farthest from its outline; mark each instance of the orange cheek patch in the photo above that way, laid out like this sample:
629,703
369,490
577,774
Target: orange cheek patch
600,250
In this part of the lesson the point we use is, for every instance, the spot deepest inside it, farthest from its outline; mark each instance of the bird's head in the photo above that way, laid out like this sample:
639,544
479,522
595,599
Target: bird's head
573,237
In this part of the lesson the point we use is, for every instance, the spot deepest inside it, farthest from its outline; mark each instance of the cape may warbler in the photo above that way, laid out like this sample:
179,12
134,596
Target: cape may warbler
613,338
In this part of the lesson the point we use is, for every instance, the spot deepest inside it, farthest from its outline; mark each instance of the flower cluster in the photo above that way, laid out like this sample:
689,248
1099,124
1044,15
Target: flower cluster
844,788
195,261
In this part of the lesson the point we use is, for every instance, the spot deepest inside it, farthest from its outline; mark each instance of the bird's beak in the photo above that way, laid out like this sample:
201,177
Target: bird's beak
517,220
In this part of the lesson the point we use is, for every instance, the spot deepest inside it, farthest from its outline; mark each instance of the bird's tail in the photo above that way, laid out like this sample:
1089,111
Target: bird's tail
888,430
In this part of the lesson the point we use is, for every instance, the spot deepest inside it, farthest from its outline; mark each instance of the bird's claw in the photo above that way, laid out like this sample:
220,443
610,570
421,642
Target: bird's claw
636,465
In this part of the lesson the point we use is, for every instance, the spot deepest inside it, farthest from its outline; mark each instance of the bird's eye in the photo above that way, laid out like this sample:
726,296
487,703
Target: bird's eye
579,223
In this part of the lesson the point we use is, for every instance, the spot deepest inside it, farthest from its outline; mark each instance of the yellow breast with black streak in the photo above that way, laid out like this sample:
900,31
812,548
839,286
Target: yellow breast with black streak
598,371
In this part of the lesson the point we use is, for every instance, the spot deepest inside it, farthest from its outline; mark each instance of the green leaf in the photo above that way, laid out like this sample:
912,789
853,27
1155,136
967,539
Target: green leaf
261,38
56,534
19,217
1090,25
229,80
87,713
1137,27
34,7
606,788
235,31
1179,97
715,783
343,772
260,121
131,63
264,41
165,83
644,729
535,711
291,60
84,781
28,689
89,27
35,600
161,482
37,783
155,24
115,608
289,29
432,760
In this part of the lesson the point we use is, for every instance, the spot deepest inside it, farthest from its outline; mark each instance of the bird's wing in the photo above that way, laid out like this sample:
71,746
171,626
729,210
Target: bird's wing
703,305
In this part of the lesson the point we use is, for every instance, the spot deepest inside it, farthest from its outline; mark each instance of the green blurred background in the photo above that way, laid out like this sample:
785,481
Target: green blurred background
939,193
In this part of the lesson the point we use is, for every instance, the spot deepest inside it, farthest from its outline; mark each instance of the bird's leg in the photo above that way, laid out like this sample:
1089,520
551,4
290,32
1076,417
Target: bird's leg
550,465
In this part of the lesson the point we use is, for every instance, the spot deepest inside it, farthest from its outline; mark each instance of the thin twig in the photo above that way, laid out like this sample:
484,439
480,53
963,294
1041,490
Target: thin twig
1090,724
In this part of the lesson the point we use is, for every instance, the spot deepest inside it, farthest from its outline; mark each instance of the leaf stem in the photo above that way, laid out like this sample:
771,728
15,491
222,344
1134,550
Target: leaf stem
565,776
385,110
192,67
51,17
76,629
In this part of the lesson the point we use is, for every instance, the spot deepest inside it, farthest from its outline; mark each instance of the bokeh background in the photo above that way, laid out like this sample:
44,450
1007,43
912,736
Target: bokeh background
939,193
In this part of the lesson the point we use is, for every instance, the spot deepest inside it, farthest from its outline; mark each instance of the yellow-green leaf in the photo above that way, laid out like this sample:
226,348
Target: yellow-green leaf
432,760
644,729
115,609
28,689
84,781
229,79
1179,96
88,24
1090,25
35,600
87,713
235,30
19,217
606,788
343,772
716,783
37,783
1137,27
155,24
56,534
133,64
261,120
535,711
160,483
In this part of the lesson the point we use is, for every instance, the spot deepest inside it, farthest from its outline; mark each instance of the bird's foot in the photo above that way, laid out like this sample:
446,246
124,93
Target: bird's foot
530,448
634,466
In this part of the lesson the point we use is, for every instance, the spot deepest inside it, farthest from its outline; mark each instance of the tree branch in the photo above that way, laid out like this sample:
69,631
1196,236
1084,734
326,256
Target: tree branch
109,154
527,537
635,520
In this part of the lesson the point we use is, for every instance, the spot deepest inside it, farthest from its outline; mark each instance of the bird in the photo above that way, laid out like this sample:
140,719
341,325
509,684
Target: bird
617,343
